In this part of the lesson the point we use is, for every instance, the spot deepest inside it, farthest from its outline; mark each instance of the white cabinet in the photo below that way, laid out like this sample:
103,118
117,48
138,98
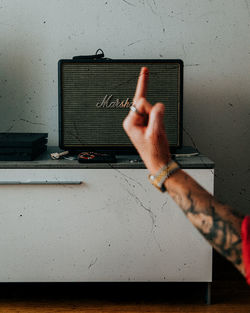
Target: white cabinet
114,226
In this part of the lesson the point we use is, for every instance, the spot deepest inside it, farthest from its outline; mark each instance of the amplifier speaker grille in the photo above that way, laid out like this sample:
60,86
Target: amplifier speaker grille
91,114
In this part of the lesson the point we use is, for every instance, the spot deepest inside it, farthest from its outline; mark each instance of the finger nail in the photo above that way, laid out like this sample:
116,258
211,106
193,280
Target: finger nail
144,70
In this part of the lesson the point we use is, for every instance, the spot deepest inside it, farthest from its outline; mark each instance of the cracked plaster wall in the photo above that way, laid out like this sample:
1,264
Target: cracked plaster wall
211,36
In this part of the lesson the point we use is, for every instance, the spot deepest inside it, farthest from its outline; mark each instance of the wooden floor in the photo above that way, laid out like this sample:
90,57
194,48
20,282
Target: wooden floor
229,294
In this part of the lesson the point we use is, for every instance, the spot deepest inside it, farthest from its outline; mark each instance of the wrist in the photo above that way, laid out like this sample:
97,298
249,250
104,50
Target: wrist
164,173
156,166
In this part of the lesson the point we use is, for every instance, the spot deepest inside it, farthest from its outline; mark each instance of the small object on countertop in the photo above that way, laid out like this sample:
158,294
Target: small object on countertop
95,157
58,155
186,151
134,161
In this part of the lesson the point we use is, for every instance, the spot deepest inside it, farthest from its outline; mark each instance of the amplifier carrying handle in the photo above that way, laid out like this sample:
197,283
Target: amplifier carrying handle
92,57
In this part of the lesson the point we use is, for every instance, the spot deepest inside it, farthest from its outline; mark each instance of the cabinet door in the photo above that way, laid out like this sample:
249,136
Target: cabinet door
114,226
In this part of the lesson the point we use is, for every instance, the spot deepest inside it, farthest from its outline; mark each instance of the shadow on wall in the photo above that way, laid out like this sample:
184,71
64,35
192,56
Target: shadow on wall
18,97
218,125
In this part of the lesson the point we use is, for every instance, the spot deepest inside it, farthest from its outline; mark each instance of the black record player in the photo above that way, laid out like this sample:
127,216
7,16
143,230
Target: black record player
22,146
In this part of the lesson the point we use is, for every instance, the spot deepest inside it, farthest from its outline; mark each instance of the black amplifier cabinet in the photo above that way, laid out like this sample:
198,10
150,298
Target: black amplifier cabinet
95,96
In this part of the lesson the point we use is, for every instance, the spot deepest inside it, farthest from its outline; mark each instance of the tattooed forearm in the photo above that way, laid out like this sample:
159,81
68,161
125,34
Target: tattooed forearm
217,222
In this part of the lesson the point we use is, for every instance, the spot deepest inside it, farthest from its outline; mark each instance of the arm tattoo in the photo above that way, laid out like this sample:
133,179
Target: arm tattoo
218,223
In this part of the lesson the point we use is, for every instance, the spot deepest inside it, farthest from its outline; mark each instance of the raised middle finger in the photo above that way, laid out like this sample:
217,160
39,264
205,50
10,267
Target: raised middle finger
141,88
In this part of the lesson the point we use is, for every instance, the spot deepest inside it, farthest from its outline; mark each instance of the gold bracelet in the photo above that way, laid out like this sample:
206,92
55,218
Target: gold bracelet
164,173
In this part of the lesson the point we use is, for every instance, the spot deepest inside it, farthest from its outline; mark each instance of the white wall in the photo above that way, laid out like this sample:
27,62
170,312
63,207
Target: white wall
211,36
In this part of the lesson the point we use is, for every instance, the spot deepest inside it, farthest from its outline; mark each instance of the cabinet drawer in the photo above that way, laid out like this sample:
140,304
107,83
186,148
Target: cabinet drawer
96,225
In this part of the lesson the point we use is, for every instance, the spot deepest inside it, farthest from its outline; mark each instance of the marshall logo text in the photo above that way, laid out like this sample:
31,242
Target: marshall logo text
117,103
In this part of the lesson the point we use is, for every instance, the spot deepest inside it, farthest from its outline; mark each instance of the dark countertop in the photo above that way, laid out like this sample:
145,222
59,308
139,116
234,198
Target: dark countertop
129,161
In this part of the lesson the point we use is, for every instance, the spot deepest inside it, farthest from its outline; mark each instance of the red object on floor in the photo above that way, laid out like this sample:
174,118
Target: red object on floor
245,234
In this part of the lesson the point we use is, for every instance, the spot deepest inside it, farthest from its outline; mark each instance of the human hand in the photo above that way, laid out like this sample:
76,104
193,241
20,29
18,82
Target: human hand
145,128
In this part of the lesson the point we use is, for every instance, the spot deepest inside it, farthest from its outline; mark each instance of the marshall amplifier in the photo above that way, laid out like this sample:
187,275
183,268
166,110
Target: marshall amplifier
95,95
